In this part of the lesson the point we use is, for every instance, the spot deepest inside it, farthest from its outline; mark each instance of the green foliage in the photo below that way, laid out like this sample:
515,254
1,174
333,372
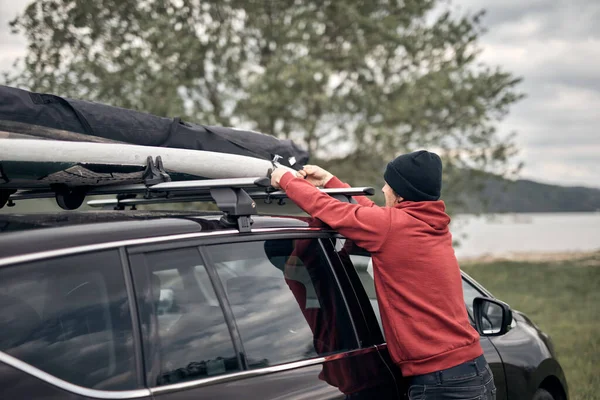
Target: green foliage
356,81
562,298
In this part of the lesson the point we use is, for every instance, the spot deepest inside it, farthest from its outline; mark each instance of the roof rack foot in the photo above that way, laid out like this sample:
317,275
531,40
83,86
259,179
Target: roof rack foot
237,206
243,224
122,196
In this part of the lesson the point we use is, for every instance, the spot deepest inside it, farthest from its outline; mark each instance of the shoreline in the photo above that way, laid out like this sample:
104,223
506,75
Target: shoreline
587,258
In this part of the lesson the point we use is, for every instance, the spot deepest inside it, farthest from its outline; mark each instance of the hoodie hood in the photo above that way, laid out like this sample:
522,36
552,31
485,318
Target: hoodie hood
433,213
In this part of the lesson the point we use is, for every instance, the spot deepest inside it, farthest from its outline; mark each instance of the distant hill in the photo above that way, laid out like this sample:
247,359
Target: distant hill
501,196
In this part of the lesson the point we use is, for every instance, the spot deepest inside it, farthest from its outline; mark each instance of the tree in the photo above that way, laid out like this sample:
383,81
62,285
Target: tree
356,81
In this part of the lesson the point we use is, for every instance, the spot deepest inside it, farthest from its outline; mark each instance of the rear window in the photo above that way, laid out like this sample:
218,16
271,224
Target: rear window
70,317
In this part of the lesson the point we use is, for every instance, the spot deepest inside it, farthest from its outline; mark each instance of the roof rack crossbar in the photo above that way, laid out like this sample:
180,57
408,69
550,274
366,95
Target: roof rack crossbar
207,184
136,201
351,191
200,195
194,187
256,194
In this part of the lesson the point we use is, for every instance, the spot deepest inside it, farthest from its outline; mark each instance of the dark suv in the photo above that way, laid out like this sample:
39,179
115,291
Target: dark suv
170,305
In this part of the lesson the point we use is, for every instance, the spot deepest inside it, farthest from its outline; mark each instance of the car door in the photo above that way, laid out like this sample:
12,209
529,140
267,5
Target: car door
355,261
470,292
258,318
359,260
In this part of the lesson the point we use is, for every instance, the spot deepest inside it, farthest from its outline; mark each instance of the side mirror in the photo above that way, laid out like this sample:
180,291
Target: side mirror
492,317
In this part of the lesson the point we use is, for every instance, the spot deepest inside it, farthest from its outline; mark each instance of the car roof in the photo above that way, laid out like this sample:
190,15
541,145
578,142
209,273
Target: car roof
36,232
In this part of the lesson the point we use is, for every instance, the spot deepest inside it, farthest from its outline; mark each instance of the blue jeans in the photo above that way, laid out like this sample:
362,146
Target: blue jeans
472,380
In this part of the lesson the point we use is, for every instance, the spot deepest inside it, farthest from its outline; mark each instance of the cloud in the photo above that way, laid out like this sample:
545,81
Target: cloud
565,19
555,47
547,60
558,133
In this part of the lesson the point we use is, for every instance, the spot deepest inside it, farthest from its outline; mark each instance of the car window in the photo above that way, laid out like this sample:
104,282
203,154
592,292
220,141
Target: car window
70,317
362,263
285,300
192,339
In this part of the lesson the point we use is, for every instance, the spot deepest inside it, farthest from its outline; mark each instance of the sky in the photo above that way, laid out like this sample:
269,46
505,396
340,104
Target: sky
554,45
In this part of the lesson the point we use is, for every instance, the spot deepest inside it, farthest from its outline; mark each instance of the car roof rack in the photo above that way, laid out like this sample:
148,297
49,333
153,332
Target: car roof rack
235,197
343,194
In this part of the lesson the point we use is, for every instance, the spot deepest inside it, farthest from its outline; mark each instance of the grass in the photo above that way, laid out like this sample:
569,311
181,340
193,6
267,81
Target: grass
563,298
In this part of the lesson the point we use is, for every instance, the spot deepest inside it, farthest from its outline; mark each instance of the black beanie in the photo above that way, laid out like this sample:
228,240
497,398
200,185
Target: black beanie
415,176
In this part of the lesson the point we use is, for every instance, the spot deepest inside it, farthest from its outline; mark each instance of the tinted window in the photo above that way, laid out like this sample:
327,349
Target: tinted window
285,299
70,317
191,336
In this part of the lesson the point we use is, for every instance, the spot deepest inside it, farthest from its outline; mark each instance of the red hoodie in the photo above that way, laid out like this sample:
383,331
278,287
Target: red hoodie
416,274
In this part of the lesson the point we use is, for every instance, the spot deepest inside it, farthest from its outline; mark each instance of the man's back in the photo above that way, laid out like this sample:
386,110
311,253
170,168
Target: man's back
419,288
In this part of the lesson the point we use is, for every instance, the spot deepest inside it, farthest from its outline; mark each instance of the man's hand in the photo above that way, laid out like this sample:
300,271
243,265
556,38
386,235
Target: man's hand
276,177
316,175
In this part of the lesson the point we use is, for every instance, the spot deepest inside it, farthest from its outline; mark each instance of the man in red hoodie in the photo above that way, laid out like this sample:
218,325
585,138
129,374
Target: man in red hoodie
416,274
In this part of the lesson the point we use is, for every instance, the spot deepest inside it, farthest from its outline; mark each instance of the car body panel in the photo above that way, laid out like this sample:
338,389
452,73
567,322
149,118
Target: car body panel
495,362
22,383
299,383
527,357
294,385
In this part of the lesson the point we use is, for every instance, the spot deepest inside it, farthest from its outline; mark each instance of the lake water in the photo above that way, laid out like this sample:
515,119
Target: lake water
526,233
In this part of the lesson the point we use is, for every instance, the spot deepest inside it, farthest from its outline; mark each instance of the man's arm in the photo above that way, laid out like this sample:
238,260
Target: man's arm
334,182
317,176
367,226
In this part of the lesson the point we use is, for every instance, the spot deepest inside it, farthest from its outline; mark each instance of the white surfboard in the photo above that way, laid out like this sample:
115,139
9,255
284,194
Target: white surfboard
31,159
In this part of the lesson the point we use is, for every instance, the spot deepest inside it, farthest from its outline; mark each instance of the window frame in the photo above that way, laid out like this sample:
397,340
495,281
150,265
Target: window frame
344,288
376,335
363,310
135,320
481,294
476,285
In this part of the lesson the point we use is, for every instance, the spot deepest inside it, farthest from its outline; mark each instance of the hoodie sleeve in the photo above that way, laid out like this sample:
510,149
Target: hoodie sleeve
336,183
365,225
